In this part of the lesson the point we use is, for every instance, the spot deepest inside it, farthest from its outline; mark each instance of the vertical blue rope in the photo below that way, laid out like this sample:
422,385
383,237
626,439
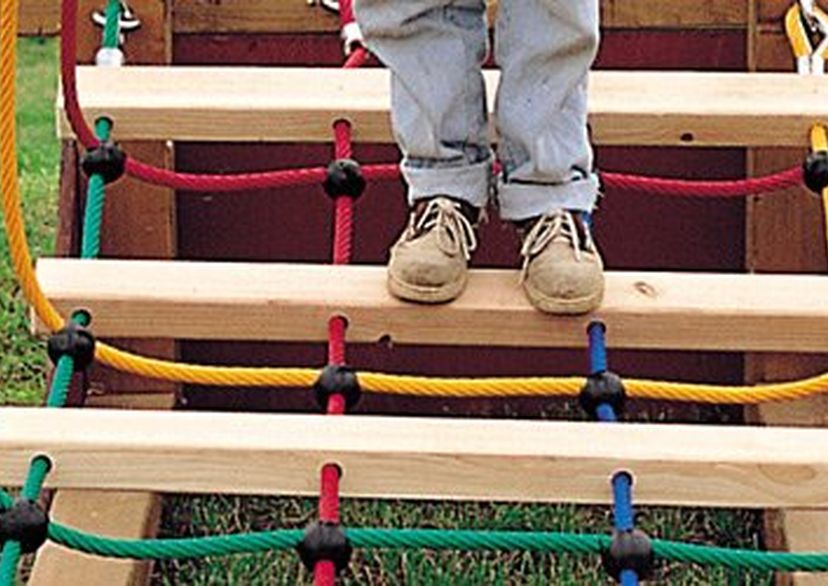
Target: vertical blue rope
623,514
606,414
597,347
622,498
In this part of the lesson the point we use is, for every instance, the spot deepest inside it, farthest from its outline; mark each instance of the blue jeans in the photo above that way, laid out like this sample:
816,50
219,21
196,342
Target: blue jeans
434,49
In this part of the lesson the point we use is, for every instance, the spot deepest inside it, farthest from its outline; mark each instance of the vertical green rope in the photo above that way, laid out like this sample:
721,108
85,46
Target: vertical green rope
61,380
95,198
9,562
112,28
38,470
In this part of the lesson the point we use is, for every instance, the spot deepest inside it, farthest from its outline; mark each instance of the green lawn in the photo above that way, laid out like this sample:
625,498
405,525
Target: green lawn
22,359
23,368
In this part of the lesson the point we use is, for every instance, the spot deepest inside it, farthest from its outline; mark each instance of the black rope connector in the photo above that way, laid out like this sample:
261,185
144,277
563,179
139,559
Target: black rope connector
107,160
816,171
75,341
630,550
325,541
26,522
337,379
603,388
344,178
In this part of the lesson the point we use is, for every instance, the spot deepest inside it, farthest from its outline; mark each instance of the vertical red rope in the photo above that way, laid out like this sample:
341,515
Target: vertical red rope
324,573
346,12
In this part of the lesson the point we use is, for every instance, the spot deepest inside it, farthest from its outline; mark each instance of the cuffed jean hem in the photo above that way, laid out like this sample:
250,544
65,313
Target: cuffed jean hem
470,183
521,201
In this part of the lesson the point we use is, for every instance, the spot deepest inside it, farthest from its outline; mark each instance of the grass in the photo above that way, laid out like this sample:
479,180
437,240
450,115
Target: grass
23,364
22,359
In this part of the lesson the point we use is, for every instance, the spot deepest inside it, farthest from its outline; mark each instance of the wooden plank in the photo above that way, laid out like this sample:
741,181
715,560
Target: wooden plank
139,220
296,16
785,234
418,458
298,104
674,14
116,514
38,17
238,301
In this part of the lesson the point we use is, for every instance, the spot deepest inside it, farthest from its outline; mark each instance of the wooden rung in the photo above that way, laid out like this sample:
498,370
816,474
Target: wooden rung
418,458
267,16
289,104
293,302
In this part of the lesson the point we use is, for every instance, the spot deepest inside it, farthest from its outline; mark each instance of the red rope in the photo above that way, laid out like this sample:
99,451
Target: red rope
325,572
682,188
294,177
346,12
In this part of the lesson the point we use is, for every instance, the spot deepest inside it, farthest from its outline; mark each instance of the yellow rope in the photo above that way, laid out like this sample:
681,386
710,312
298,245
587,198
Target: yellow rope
303,377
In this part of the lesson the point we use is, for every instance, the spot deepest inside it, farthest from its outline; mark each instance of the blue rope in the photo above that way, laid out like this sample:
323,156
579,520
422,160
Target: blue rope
597,347
606,414
621,482
622,501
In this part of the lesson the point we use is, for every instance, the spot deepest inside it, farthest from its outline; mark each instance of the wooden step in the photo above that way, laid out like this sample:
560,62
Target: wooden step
293,302
267,16
417,458
299,105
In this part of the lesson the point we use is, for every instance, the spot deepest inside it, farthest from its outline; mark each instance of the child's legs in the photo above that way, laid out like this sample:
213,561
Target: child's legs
434,49
545,49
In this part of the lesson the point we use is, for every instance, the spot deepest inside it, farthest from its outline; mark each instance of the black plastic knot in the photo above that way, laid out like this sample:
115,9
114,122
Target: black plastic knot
337,379
603,388
344,178
325,541
107,160
25,522
816,171
630,550
75,341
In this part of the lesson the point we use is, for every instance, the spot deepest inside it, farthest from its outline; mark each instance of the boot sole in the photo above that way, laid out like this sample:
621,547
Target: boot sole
557,306
430,295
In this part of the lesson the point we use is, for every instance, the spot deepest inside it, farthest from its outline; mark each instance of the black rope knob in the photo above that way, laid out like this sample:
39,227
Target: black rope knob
630,550
107,160
325,541
337,379
344,178
603,388
25,522
816,171
75,341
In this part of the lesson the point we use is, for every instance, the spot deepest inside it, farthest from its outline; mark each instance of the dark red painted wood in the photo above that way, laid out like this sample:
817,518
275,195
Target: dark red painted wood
635,232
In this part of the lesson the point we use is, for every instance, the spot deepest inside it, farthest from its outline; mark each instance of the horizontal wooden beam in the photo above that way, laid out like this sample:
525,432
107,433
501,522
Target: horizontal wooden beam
38,17
236,301
418,458
295,16
299,105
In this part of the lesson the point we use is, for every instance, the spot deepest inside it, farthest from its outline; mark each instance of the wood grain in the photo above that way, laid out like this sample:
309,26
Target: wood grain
299,105
398,457
187,300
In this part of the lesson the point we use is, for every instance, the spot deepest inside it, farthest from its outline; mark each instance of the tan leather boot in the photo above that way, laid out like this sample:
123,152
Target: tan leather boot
429,262
562,269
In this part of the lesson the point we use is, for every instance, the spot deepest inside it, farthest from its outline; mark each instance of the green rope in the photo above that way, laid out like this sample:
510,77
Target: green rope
434,539
61,379
8,563
95,197
38,470
112,27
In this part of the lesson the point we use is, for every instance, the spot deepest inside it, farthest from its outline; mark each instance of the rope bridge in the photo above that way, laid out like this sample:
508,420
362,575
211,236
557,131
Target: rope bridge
325,547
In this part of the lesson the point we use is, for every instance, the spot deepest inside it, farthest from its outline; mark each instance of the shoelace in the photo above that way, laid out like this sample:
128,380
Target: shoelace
455,233
559,224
